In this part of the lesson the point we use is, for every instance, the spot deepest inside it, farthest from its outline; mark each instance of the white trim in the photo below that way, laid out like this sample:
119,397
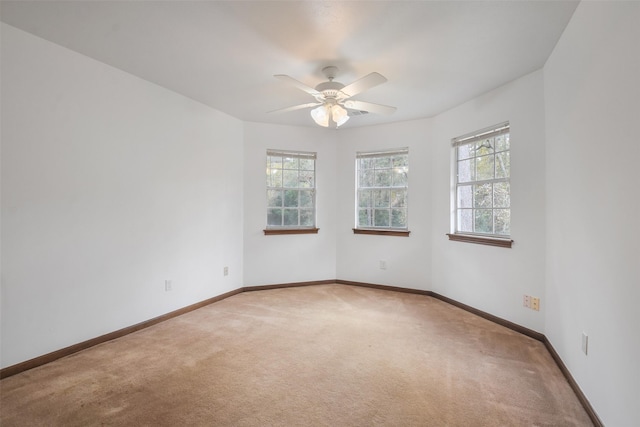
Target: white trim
371,154
296,154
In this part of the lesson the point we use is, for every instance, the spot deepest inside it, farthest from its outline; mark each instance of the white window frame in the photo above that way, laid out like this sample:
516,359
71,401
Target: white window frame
270,187
481,135
404,188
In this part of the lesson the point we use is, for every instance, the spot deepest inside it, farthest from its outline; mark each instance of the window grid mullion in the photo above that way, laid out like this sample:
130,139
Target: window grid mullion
473,184
370,209
282,189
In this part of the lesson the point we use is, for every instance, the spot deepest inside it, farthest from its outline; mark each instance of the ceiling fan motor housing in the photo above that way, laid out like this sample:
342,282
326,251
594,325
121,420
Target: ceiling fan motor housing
329,89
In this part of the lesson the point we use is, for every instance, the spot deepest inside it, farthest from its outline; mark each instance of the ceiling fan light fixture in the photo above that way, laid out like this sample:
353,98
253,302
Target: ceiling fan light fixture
339,115
320,115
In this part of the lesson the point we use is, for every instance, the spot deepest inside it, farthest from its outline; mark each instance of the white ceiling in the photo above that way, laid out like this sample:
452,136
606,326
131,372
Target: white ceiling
435,54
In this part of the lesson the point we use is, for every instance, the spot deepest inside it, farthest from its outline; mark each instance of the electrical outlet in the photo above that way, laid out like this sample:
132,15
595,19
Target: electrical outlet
535,303
226,271
526,301
167,285
383,264
585,343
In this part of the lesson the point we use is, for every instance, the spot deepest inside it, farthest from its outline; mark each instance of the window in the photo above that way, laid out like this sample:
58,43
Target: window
291,192
482,187
382,180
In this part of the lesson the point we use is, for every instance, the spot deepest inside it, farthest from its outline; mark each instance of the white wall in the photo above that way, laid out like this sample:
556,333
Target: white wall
358,255
489,278
278,259
592,103
110,185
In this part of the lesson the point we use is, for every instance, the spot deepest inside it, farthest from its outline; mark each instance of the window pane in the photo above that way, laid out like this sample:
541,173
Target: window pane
291,217
381,198
503,221
465,196
291,198
483,221
364,199
484,168
365,164
275,178
290,179
465,151
276,162
288,189
306,179
383,178
502,142
503,165
381,194
398,198
274,217
482,186
381,217
306,217
501,197
364,218
484,147
274,198
306,199
400,160
307,164
366,178
290,163
399,218
465,220
482,196
400,177
383,162
466,170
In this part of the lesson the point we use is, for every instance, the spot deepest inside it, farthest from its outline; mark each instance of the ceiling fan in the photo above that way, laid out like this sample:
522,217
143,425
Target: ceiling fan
333,99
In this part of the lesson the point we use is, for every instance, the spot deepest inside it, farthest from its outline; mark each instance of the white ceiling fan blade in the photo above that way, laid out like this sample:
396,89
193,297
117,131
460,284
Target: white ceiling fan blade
370,107
297,84
296,107
367,82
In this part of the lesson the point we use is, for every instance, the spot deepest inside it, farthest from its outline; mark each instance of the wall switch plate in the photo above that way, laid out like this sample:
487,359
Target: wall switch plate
226,271
383,264
526,301
167,285
585,343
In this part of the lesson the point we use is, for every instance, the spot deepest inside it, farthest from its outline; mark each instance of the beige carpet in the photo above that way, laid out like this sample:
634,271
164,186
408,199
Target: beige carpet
328,355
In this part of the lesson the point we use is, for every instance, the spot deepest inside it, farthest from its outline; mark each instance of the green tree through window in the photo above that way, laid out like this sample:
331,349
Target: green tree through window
482,182
382,181
291,189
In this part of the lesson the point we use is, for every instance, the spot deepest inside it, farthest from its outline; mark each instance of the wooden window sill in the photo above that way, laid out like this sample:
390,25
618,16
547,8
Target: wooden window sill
382,232
274,231
480,240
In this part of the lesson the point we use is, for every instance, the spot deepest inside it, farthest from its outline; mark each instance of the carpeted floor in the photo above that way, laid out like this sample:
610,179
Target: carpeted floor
327,355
